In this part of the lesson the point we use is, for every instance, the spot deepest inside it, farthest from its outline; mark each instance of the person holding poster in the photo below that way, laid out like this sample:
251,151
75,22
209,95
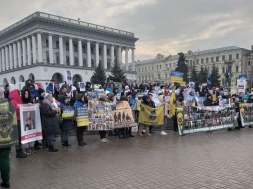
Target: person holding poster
162,102
8,119
102,134
146,101
49,121
67,124
80,130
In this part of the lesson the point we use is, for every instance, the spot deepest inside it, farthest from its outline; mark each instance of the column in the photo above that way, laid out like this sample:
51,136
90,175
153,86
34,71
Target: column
1,62
126,58
80,53
50,48
6,58
19,54
61,49
15,55
119,55
112,55
39,47
133,60
34,49
10,56
71,53
88,54
97,53
105,56
24,52
3,59
29,51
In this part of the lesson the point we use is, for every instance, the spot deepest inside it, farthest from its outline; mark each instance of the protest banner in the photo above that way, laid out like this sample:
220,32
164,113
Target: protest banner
151,116
82,86
189,100
241,85
30,123
122,115
8,125
67,112
204,118
246,113
82,118
100,116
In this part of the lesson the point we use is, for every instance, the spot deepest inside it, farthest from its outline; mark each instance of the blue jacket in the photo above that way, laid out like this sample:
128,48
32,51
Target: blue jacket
49,88
78,104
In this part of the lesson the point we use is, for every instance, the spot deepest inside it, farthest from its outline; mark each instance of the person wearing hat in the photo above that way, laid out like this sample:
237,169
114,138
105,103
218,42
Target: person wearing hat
49,122
5,146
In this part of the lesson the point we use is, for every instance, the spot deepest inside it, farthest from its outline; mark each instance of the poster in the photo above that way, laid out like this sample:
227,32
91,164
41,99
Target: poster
151,116
204,118
30,123
68,76
122,115
82,86
241,85
100,116
8,125
246,113
82,118
98,92
189,100
200,100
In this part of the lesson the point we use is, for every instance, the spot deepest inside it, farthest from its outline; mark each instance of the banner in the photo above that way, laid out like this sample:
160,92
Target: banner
100,116
82,118
30,123
246,113
204,118
67,112
82,86
8,125
151,116
122,115
189,100
68,76
176,76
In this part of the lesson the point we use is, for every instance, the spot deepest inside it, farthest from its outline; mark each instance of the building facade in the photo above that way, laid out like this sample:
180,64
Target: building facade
159,69
42,46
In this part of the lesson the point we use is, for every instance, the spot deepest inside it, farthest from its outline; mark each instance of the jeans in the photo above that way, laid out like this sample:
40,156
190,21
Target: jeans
64,136
102,134
5,164
50,139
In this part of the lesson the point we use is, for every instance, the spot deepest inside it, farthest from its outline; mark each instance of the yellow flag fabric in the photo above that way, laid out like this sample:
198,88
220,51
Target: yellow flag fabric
172,108
151,116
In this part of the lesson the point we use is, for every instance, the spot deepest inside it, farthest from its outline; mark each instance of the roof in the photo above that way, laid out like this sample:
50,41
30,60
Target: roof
216,50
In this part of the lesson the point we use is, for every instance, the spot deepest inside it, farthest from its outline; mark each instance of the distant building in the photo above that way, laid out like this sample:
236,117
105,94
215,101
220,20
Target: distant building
42,46
159,69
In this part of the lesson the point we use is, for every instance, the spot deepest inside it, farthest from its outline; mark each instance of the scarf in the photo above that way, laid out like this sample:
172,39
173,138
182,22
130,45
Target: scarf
49,103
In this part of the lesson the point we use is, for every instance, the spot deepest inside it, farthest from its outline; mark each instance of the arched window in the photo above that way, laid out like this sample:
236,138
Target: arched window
223,57
217,59
230,57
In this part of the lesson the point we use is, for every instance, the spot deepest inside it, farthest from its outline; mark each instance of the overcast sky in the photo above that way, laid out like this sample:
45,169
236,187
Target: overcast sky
162,26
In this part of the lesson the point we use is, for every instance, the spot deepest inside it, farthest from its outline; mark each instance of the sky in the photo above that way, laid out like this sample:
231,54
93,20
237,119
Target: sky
162,26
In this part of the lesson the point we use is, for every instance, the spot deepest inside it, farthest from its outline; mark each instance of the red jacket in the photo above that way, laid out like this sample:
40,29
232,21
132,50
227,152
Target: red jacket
15,100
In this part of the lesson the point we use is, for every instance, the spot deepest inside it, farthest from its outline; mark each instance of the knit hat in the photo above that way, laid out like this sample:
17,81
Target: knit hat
48,95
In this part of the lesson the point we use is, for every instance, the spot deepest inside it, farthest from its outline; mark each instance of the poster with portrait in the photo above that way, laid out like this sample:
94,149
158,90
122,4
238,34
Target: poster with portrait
100,116
123,115
30,123
82,86
68,76
8,125
82,118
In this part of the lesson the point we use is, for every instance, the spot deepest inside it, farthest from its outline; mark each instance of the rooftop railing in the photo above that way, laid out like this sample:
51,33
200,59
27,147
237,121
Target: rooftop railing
69,20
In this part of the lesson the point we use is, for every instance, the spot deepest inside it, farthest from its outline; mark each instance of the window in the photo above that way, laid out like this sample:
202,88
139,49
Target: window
160,66
84,62
223,58
67,60
108,51
76,61
152,67
67,46
217,59
197,61
47,43
207,60
223,69
237,68
142,69
83,48
158,76
230,57
99,50
57,44
93,64
75,47
249,63
211,59
57,59
48,61
157,66
145,68
237,55
202,60
139,70
92,50
149,77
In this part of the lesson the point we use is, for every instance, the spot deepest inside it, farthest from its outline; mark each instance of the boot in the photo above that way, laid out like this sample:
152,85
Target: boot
66,144
28,151
20,154
52,149
5,184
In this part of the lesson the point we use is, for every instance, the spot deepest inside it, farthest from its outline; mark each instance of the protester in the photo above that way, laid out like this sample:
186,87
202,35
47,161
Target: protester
162,102
103,97
146,101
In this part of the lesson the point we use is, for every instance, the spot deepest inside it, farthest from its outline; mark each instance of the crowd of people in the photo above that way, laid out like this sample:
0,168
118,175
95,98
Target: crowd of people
55,96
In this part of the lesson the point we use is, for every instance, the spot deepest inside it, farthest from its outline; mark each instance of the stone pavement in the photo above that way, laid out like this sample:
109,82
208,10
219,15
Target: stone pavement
220,159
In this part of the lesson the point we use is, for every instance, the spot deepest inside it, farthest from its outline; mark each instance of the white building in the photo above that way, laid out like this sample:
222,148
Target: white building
42,46
159,69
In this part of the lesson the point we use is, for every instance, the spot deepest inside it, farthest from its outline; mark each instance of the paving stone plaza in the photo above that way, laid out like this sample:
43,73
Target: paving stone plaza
219,159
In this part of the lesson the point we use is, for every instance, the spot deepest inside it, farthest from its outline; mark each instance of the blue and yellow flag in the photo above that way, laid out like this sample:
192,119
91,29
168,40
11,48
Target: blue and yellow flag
176,77
172,106
151,116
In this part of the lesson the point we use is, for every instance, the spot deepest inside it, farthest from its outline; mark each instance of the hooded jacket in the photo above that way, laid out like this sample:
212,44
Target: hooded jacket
15,100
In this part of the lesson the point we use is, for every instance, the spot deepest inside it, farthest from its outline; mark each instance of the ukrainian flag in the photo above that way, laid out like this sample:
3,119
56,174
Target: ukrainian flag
172,106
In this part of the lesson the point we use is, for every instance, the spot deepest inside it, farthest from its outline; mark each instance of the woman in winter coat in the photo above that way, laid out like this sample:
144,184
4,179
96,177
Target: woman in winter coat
162,102
67,124
49,119
102,134
80,130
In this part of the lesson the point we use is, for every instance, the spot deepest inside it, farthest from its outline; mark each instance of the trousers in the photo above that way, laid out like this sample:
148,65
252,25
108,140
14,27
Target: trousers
5,164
